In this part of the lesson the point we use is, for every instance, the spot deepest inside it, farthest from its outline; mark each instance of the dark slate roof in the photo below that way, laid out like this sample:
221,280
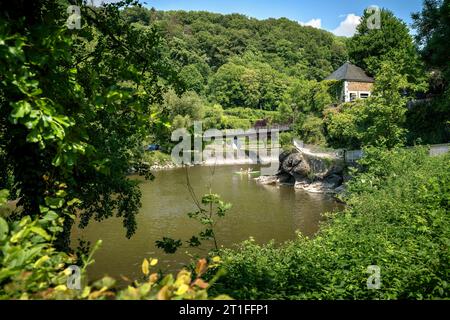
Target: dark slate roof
350,72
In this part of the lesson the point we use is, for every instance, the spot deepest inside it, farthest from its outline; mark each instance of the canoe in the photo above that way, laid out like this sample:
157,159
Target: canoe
245,172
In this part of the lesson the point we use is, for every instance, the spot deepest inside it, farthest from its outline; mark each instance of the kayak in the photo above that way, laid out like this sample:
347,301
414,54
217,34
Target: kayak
245,172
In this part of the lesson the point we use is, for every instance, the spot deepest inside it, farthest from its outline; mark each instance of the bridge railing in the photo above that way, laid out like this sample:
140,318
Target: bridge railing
438,149
351,156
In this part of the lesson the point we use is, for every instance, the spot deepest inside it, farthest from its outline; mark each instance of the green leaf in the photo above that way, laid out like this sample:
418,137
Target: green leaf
210,198
194,241
4,194
61,193
54,203
169,245
20,109
41,232
57,160
74,201
3,229
50,216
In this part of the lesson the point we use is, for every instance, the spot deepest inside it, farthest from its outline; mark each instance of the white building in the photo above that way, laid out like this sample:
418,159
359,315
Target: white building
356,84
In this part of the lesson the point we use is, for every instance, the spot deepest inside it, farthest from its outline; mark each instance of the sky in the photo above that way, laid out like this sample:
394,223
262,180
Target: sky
338,16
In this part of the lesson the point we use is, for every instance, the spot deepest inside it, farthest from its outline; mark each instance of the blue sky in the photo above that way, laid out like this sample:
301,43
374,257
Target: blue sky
338,16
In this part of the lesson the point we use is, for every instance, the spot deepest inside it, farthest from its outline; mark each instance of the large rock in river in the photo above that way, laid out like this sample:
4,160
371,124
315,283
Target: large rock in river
314,172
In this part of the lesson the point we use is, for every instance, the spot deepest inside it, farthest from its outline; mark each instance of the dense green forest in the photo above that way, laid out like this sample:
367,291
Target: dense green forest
201,43
77,107
227,62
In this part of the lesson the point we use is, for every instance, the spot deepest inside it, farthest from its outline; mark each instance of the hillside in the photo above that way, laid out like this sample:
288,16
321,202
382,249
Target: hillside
202,42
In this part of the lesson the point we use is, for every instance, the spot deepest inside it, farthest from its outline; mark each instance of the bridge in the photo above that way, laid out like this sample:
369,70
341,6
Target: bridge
231,146
255,131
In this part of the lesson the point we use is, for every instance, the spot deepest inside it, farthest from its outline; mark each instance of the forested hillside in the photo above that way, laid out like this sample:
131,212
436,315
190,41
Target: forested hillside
211,50
227,65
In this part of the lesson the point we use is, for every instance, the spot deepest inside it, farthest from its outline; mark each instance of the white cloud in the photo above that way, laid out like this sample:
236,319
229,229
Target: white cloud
315,23
347,28
98,3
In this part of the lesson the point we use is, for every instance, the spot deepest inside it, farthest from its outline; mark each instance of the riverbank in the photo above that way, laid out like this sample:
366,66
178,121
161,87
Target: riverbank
158,161
396,222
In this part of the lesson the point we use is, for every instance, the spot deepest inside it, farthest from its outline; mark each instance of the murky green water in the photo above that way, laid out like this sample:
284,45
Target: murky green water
261,212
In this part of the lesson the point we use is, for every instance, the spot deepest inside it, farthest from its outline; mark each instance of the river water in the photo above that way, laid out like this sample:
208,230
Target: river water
261,212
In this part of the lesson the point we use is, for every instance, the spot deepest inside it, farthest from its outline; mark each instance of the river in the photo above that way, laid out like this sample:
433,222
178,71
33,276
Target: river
259,211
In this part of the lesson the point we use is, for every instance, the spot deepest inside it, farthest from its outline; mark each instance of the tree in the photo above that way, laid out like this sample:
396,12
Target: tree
311,130
74,109
188,104
225,86
213,117
429,121
303,105
204,38
308,96
192,79
250,84
433,32
368,48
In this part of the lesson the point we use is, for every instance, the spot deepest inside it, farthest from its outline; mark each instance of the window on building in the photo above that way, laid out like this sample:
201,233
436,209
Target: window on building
364,95
353,96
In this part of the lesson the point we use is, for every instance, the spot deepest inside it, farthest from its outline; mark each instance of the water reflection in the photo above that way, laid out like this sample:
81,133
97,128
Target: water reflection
263,212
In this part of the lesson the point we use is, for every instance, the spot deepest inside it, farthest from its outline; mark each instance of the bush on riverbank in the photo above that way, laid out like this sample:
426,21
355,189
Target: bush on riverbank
397,218
158,159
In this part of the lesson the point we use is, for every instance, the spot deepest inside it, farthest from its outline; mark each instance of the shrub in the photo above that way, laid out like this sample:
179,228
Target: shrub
429,122
213,117
286,140
396,218
231,122
157,158
311,130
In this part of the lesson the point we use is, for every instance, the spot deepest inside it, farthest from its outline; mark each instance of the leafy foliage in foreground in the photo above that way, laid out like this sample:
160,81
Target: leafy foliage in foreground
31,268
75,108
397,218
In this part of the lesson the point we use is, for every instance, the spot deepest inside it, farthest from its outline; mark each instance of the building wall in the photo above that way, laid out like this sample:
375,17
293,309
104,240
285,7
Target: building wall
355,89
360,86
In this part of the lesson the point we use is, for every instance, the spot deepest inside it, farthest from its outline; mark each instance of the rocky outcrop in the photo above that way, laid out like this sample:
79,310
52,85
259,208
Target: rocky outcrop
313,172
